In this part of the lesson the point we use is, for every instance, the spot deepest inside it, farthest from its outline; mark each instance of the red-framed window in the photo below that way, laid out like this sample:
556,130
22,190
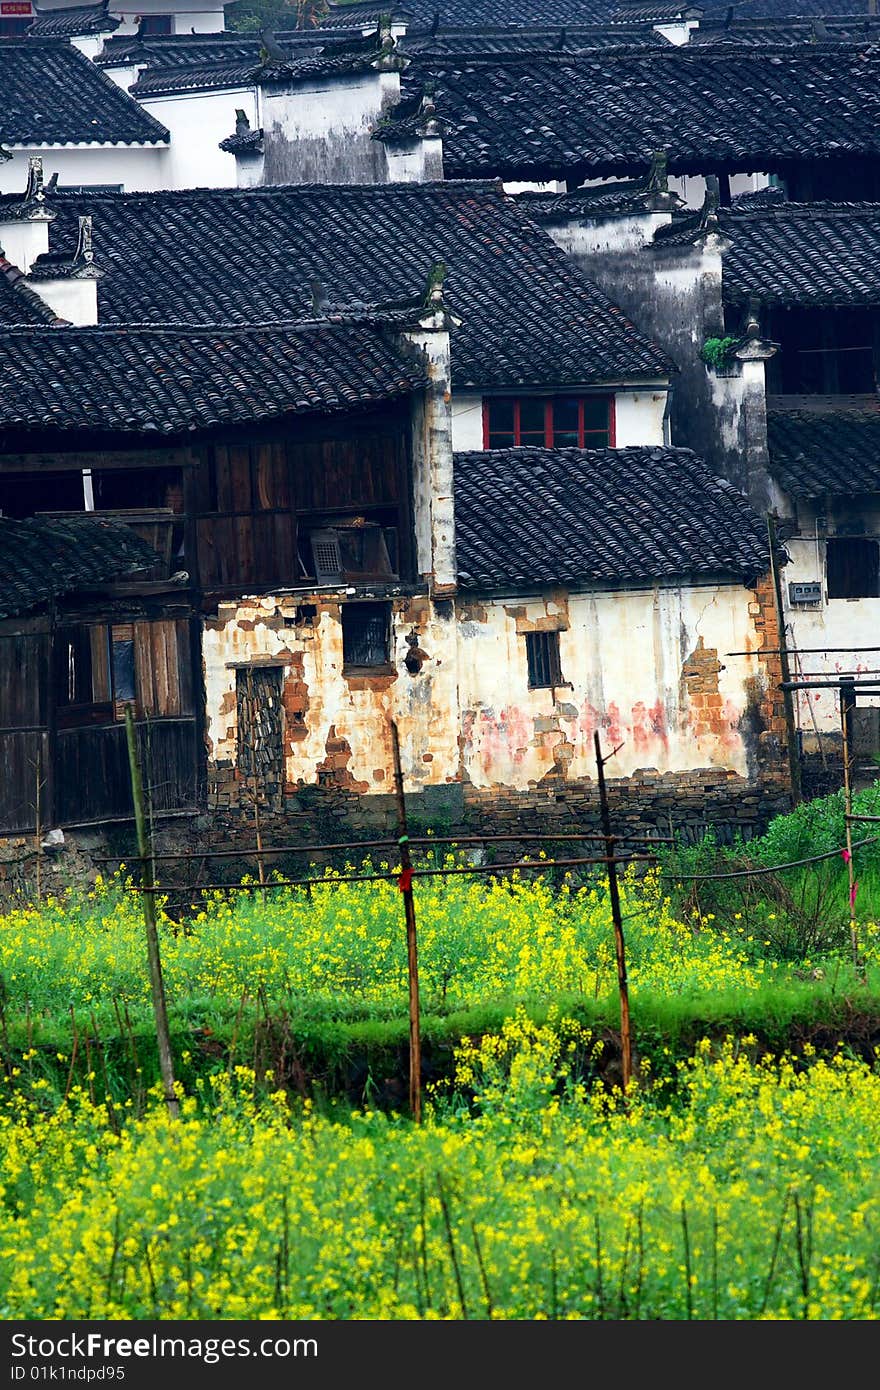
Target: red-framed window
552,422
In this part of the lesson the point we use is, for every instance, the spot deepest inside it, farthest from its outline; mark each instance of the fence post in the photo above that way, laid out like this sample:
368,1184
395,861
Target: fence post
614,897
847,704
255,785
405,885
157,986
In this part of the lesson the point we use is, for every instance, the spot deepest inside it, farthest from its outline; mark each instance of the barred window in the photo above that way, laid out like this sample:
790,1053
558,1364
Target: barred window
542,653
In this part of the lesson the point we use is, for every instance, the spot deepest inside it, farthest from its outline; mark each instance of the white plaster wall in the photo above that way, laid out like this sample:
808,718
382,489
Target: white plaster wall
639,417
467,421
840,622
75,300
622,653
611,234
125,75
420,163
692,187
198,121
139,168
357,710
24,241
201,18
552,186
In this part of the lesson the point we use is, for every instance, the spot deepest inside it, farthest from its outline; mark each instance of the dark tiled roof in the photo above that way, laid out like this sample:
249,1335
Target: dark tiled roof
562,39
208,256
67,22
575,516
53,95
41,559
803,253
852,30
164,81
602,113
597,201
788,9
477,14
18,302
654,14
243,142
836,453
200,50
168,381
770,196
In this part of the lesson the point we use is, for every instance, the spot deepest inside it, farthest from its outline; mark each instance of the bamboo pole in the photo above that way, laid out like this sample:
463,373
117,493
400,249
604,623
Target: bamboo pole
847,701
415,1044
255,784
614,896
157,986
794,762
38,829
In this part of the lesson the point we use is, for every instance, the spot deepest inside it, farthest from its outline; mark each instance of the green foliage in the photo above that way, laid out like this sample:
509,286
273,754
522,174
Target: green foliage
715,352
250,16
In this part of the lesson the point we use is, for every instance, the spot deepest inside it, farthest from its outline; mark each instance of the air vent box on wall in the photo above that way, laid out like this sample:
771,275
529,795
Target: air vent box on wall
800,593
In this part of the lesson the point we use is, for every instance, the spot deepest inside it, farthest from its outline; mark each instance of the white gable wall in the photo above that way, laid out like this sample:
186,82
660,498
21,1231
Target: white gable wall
198,121
138,168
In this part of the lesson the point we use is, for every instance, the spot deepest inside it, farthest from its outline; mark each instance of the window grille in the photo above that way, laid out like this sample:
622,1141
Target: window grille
542,653
366,632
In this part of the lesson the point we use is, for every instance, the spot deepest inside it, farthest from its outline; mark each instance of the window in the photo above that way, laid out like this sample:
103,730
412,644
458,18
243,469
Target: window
852,567
366,634
552,422
100,667
155,24
542,654
355,548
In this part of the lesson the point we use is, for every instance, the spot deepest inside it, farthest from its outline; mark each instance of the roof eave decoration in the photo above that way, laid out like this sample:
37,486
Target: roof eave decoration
753,347
32,207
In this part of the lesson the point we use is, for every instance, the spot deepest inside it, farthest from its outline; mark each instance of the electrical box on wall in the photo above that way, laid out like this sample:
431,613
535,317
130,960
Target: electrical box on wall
805,594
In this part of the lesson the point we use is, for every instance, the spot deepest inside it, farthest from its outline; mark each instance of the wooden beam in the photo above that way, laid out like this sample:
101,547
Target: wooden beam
77,460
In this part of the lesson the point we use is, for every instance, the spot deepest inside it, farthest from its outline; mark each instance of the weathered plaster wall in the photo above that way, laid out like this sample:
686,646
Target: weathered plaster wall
674,296
420,162
843,623
646,667
432,466
336,727
321,133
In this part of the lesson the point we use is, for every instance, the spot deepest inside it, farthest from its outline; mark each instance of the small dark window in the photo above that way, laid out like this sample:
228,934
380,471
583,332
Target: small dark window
853,567
366,634
151,24
542,652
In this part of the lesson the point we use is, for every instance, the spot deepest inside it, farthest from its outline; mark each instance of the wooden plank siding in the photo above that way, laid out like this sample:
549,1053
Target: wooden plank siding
85,761
243,493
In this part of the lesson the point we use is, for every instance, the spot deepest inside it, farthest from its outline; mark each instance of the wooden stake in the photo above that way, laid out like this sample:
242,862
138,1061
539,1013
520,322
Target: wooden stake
255,784
415,1044
38,831
614,896
794,762
163,1036
847,701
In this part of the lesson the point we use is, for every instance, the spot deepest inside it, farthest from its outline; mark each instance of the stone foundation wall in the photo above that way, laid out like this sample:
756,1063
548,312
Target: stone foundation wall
647,803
